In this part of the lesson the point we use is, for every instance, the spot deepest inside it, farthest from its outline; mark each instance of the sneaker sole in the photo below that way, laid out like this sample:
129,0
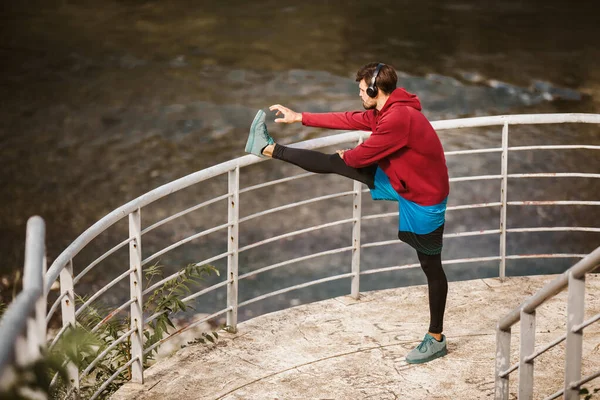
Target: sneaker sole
250,141
432,357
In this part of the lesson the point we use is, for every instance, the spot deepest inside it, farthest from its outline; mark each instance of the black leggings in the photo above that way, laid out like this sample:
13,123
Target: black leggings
314,161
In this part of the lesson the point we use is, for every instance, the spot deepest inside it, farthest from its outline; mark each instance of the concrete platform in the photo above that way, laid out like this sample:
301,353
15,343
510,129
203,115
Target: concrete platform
347,349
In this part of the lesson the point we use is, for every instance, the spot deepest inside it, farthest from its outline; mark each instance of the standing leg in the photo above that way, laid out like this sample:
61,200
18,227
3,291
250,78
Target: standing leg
438,291
434,343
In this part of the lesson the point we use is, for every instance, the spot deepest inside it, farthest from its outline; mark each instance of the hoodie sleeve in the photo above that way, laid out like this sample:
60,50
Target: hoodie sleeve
390,135
355,120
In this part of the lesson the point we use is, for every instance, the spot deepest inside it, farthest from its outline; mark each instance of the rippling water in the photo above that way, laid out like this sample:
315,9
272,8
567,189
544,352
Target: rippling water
104,101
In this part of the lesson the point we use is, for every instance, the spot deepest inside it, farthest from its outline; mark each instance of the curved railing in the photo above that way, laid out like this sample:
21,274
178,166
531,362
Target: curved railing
62,268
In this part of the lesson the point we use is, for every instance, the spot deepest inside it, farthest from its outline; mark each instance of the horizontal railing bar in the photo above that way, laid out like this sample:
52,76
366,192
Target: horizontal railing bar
585,324
508,371
99,259
555,229
113,377
294,260
184,241
588,263
181,330
555,175
289,289
557,255
295,233
445,262
446,235
188,298
58,335
184,212
105,352
470,260
206,290
473,151
113,313
375,216
382,243
475,178
472,233
545,348
522,119
277,181
553,203
452,208
179,273
469,206
116,215
55,306
555,147
388,269
555,395
585,380
102,291
297,204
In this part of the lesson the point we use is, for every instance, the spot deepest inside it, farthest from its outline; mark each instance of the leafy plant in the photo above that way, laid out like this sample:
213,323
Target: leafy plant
588,395
94,335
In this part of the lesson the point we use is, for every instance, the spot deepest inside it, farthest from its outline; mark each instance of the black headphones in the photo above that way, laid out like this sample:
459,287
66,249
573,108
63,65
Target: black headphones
372,89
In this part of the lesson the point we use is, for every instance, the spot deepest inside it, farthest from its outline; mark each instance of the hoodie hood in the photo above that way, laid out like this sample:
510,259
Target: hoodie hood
403,98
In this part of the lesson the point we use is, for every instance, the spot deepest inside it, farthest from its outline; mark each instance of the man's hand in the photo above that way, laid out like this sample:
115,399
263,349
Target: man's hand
289,116
341,153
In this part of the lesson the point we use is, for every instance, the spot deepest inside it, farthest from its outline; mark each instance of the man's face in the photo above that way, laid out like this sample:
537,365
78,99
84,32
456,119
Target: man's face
368,102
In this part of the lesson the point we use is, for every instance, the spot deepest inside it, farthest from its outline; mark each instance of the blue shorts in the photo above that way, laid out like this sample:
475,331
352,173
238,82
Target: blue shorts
422,227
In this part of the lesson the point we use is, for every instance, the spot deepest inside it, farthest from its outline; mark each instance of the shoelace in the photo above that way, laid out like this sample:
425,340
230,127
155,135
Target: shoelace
427,340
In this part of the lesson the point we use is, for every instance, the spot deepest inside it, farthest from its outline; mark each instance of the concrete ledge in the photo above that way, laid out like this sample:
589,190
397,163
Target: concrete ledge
348,349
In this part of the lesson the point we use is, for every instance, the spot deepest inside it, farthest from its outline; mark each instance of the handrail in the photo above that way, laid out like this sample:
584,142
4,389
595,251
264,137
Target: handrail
14,321
89,234
554,287
63,264
573,278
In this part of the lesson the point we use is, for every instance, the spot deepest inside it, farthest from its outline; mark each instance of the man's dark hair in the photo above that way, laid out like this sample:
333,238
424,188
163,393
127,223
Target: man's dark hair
386,79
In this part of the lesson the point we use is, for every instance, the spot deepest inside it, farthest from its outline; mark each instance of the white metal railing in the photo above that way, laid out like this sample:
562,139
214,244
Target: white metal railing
23,325
574,279
62,267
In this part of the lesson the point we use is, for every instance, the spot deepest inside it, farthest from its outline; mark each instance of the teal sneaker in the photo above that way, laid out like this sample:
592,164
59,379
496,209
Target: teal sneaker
428,350
259,137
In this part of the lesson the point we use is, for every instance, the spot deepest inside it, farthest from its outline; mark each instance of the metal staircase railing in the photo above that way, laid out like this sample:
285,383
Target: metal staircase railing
574,279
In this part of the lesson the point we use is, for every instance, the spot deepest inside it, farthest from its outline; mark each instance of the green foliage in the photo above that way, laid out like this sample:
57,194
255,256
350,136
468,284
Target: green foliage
95,333
588,395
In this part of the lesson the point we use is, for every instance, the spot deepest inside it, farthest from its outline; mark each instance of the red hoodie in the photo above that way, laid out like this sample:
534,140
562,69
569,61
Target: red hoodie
403,144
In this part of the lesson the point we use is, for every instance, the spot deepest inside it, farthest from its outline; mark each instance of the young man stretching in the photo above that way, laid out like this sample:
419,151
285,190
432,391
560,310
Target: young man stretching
403,161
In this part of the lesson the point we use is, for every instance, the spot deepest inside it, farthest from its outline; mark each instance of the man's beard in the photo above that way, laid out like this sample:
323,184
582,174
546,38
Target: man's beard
369,106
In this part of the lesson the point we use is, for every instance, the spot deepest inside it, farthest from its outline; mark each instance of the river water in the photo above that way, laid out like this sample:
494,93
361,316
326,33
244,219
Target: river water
104,101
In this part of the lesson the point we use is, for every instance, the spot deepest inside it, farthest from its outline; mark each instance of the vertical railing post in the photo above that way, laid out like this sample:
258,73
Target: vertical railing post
527,348
232,249
135,291
356,227
33,279
67,306
503,198
502,363
575,315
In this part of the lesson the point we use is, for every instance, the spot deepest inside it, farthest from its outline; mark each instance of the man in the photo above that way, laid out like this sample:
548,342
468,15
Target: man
401,161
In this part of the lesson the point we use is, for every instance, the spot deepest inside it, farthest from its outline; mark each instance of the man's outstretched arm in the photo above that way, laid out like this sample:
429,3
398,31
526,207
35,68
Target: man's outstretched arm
338,120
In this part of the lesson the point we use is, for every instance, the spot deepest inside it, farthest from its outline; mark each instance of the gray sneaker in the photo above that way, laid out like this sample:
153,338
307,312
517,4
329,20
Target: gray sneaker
428,350
259,137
